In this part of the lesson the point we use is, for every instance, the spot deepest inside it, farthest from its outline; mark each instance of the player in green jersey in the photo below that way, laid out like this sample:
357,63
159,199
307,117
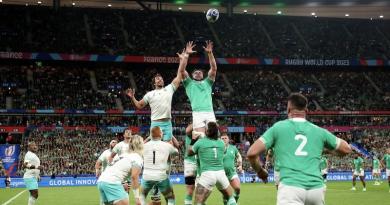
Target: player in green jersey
376,170
190,167
358,170
232,161
199,92
386,160
210,152
297,145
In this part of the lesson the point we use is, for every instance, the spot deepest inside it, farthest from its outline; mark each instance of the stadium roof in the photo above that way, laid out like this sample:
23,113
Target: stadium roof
365,9
284,2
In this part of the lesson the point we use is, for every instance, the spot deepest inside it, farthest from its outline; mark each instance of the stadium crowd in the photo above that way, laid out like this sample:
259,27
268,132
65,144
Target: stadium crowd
75,87
60,150
116,31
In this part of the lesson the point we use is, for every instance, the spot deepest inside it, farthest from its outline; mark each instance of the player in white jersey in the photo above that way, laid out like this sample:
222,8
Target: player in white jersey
160,99
160,102
156,169
122,147
32,166
110,181
102,162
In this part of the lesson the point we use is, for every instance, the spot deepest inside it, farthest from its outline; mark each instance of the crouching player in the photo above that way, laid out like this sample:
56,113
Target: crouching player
110,182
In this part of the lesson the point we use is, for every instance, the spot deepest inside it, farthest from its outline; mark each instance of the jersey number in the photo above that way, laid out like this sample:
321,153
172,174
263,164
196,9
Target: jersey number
299,151
154,157
215,152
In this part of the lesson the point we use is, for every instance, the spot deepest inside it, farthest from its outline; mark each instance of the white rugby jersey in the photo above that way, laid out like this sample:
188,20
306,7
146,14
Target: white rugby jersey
121,149
31,158
104,159
156,155
118,172
160,102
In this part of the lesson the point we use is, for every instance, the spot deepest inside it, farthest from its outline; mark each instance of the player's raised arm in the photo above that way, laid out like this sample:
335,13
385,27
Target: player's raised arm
253,156
183,56
138,104
213,64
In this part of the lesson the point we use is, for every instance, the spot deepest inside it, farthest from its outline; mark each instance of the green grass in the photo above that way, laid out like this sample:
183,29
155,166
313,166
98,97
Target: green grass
338,193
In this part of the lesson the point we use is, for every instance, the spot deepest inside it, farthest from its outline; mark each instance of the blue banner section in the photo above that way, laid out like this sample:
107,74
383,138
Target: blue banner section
175,179
116,129
9,154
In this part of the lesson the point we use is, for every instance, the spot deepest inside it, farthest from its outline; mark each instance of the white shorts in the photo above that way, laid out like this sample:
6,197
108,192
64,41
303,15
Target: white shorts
388,172
235,176
209,179
360,174
200,119
189,169
276,177
376,171
288,195
324,171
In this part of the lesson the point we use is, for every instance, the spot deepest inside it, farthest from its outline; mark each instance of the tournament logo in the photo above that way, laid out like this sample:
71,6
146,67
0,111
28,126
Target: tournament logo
9,151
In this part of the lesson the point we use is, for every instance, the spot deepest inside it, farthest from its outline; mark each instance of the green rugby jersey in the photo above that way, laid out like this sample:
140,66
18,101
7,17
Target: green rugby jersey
297,147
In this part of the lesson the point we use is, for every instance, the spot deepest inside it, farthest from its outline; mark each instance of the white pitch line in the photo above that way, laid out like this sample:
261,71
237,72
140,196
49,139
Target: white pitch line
13,198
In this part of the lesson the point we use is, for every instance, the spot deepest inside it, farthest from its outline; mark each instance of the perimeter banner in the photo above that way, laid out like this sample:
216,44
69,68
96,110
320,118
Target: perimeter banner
175,179
195,60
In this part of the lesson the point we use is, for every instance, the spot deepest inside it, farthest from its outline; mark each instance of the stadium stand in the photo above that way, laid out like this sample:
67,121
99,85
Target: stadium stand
114,31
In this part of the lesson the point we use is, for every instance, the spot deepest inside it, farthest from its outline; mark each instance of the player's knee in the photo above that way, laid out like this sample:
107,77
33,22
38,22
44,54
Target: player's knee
189,180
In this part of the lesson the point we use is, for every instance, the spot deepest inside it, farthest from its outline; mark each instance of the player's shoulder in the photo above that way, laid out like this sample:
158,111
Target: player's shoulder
150,93
165,144
132,156
30,154
203,141
221,142
233,147
169,86
106,152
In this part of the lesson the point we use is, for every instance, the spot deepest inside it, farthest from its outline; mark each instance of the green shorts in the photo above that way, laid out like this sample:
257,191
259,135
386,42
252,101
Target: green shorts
111,192
163,186
31,183
166,128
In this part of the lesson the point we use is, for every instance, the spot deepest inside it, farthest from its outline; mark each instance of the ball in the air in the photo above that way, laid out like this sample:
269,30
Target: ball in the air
212,15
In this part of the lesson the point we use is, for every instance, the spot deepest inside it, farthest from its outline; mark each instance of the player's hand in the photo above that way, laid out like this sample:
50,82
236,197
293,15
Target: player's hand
38,178
130,92
126,186
98,173
209,47
182,54
40,167
263,175
239,169
189,48
137,201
